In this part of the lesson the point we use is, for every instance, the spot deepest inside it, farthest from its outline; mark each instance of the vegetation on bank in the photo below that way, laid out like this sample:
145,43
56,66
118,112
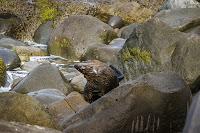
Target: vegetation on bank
48,10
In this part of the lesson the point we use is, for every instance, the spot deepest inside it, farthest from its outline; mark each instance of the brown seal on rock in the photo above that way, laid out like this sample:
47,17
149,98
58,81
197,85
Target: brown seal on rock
100,79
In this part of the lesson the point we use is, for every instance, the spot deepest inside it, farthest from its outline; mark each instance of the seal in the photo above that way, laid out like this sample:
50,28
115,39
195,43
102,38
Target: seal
100,79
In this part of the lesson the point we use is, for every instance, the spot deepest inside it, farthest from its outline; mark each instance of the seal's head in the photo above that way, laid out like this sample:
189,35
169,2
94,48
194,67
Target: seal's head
90,67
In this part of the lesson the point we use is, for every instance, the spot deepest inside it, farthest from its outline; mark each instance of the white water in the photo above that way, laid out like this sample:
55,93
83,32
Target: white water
19,73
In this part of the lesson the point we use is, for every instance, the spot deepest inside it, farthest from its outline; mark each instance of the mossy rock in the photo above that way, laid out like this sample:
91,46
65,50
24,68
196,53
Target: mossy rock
22,108
62,47
2,72
76,34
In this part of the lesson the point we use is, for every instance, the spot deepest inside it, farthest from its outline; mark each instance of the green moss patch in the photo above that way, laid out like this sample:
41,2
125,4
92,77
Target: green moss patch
108,36
62,47
136,53
2,72
48,10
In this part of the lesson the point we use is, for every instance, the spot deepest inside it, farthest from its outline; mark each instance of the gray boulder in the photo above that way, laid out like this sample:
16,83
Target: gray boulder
185,59
72,38
105,53
29,66
180,19
116,22
64,109
42,34
10,58
154,46
10,43
126,31
22,108
42,77
174,4
155,102
149,48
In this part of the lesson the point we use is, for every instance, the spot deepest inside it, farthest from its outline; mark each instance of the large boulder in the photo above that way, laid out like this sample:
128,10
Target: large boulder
192,122
174,4
105,53
149,48
185,59
16,127
155,102
72,38
42,77
22,108
116,22
42,34
2,72
64,109
154,46
126,31
181,19
11,59
10,43
25,52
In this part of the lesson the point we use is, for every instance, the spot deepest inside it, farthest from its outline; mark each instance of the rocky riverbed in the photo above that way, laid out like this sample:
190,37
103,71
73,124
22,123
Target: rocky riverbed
99,66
